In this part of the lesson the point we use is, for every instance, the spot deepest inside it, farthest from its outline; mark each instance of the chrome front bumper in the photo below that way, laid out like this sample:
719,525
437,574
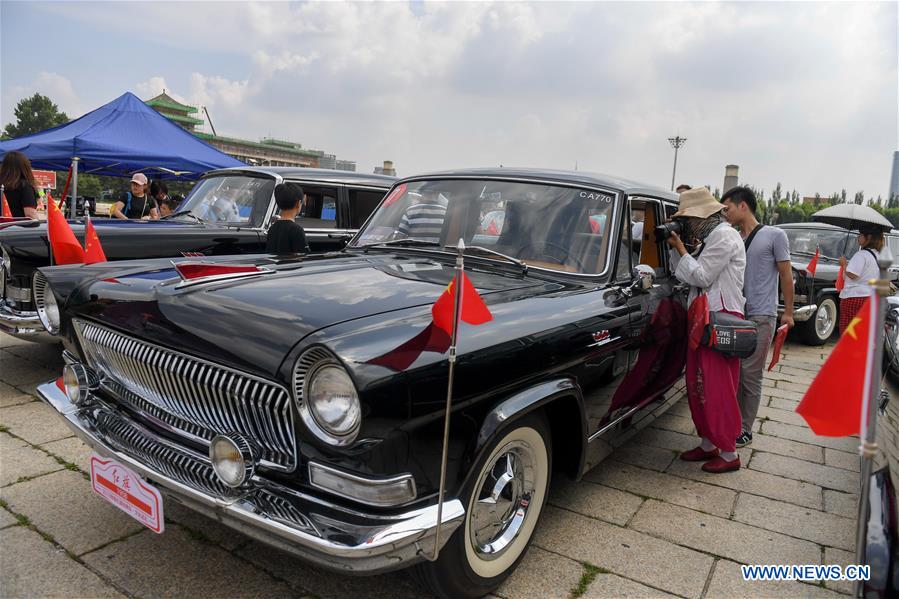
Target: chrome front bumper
801,314
23,324
319,531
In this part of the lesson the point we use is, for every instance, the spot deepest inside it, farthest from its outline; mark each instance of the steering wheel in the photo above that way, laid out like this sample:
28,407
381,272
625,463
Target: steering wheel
545,245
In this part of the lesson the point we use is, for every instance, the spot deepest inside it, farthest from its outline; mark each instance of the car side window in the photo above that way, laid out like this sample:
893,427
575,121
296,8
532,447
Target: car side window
362,203
320,208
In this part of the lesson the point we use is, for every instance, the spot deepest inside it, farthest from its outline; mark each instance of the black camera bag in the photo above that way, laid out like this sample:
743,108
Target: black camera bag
730,335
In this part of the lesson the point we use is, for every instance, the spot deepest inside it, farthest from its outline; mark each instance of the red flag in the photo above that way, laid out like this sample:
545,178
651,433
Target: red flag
93,251
492,229
473,309
841,278
813,265
832,405
779,337
6,212
65,247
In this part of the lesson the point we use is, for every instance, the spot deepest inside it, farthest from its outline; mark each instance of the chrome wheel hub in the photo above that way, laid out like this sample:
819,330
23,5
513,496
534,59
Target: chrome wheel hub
824,320
503,500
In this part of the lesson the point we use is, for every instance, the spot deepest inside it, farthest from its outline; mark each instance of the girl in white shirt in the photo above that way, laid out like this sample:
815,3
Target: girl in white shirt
858,271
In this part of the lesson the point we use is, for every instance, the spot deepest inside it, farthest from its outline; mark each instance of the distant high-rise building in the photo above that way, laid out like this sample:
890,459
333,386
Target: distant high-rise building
894,177
387,169
731,177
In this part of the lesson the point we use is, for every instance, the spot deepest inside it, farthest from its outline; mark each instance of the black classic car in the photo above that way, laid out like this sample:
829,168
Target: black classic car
817,300
302,400
227,212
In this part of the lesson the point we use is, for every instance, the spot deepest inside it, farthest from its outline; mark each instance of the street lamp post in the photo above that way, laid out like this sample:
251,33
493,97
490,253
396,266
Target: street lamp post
676,143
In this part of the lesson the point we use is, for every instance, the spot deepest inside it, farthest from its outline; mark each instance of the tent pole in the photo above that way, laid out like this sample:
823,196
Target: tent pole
73,205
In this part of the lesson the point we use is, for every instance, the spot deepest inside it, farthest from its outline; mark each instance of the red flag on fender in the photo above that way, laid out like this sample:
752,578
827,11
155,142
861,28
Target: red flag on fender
841,278
813,265
65,247
93,251
832,405
473,309
6,212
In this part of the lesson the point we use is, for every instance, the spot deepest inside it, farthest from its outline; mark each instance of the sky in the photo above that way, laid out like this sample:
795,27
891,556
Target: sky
802,93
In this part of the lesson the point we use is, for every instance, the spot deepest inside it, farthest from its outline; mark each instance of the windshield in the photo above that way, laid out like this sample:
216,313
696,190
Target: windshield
233,199
560,228
832,243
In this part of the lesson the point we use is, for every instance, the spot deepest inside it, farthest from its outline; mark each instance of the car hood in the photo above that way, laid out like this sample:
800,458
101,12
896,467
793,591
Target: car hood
252,322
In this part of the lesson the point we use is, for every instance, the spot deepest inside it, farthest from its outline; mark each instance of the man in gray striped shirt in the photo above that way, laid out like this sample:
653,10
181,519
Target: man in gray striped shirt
424,220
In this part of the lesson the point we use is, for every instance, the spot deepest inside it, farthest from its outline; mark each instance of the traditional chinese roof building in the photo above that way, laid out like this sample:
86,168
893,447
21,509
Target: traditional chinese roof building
175,111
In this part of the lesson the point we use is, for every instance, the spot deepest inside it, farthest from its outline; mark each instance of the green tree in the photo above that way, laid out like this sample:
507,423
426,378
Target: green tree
34,114
843,196
859,197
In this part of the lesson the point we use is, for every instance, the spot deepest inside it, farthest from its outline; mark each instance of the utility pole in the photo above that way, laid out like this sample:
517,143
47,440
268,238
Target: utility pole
676,143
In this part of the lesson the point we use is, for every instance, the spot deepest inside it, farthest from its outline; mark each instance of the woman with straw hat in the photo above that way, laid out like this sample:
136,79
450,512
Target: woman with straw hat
713,266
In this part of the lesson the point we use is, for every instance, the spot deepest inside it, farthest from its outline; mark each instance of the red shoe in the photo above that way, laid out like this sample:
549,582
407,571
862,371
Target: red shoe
719,465
698,454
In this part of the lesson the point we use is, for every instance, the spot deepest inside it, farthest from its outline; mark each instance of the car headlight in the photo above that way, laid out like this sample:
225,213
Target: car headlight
45,303
327,398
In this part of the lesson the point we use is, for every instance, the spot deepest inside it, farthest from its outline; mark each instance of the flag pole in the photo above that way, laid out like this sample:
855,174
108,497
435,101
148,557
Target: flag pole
457,309
73,208
880,288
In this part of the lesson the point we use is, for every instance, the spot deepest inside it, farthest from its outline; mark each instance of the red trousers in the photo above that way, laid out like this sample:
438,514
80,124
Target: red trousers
712,382
849,307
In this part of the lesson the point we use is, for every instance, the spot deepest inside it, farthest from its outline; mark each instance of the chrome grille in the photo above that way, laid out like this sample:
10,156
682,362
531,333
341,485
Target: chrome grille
39,285
170,462
306,361
197,398
277,508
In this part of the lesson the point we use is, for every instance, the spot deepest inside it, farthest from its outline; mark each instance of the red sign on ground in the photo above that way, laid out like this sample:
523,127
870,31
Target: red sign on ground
127,491
45,179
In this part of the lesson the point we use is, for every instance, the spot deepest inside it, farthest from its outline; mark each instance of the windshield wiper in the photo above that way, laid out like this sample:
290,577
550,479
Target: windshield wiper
185,213
515,261
401,242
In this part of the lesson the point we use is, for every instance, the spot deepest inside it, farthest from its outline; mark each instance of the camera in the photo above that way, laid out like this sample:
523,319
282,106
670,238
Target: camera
665,230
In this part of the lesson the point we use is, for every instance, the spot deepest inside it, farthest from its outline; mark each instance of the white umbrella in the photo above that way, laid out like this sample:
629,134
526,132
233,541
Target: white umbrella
852,216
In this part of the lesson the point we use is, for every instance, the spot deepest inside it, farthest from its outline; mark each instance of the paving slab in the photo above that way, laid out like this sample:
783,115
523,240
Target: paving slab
803,451
628,553
63,505
35,422
596,501
72,450
727,581
9,442
44,355
6,519
783,404
783,394
207,528
655,437
805,435
804,523
676,423
842,504
842,459
824,476
610,585
175,565
840,558
673,489
755,482
799,367
32,567
726,538
542,574
300,575
11,396
778,415
18,371
24,462
794,387
652,458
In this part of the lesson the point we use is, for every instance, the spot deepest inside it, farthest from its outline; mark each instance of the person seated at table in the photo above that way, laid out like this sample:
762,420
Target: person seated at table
286,236
137,203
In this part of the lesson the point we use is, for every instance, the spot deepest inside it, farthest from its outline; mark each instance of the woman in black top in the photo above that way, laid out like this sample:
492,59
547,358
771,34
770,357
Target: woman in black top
19,185
285,236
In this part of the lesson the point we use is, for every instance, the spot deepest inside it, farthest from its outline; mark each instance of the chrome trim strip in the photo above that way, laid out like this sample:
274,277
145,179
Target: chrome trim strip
361,480
164,385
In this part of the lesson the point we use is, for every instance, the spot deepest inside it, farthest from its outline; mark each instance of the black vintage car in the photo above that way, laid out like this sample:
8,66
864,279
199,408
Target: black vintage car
302,400
227,212
817,301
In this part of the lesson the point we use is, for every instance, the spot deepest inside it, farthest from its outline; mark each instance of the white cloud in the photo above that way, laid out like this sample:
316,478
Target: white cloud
54,86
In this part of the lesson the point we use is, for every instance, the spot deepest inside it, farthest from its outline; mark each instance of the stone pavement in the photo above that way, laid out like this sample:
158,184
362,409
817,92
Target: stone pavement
641,524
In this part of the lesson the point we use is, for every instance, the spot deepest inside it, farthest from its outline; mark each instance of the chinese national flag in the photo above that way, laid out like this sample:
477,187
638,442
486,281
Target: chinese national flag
93,251
65,247
492,229
6,212
832,405
813,265
473,309
841,278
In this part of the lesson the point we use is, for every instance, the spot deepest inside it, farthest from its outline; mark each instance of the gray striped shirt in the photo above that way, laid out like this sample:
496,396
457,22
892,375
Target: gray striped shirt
423,221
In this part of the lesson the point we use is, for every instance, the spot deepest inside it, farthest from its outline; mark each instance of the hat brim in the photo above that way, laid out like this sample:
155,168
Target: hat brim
704,211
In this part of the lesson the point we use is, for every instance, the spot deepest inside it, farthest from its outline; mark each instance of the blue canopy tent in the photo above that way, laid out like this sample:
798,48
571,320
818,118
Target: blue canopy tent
119,139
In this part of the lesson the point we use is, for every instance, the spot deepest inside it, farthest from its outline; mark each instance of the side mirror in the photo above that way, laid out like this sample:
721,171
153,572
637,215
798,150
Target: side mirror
644,277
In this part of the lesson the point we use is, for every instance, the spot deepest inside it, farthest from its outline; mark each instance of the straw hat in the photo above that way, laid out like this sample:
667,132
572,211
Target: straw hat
698,202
